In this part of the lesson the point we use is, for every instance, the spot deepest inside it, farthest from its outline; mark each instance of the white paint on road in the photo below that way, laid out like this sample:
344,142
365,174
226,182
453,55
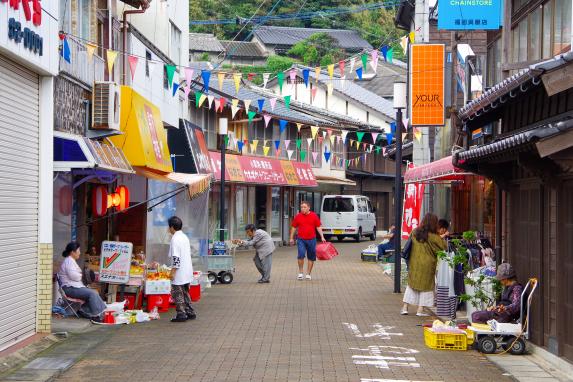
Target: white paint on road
380,331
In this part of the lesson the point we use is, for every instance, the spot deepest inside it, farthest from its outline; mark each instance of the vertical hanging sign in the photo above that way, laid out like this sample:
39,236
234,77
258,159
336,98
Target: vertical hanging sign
427,84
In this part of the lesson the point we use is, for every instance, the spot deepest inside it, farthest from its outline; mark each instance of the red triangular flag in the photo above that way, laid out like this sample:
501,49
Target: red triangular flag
132,65
223,102
250,76
341,67
313,92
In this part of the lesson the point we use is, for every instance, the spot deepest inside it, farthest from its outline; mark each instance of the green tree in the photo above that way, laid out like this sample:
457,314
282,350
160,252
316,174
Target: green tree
318,49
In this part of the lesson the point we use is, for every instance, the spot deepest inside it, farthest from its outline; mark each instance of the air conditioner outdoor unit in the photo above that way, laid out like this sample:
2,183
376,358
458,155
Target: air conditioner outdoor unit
106,106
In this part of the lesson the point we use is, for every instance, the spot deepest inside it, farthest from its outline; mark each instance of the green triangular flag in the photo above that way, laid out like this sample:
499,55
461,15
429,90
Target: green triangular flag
251,115
377,149
281,78
287,102
360,135
226,139
302,155
197,98
390,55
364,60
170,69
298,143
348,163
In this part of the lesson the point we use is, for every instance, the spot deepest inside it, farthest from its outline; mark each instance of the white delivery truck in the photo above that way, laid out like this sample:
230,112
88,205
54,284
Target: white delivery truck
348,216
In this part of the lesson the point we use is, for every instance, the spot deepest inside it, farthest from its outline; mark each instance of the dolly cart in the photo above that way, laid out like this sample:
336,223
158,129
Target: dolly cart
512,341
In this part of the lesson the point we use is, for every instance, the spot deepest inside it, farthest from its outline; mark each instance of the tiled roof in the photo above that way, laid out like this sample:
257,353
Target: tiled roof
383,82
204,42
346,39
243,49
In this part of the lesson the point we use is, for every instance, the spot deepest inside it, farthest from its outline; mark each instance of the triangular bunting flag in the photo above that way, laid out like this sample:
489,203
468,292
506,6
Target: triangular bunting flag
302,156
247,104
170,70
314,156
309,142
210,98
314,131
277,153
359,73
360,135
364,58
111,56
234,107
332,138
292,75
281,79
66,52
305,75
277,145
240,145
344,134
217,104
330,69
226,140
251,114
352,63
250,76
221,79
254,145
246,144
327,156
206,76
384,51
189,76
357,145
404,43
273,102
187,90
287,143
298,126
298,143
267,118
392,127
418,134
290,152
282,124
389,137
175,87
404,136
374,55
90,49
374,64
266,150
197,98
202,99
261,103
223,102
374,137
330,89
237,79
287,101
329,132
405,122
341,67
377,149
317,73
266,77
313,93
132,65
390,55
412,37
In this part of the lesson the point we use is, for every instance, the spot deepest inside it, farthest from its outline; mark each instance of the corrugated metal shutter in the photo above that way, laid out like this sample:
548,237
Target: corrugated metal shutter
19,158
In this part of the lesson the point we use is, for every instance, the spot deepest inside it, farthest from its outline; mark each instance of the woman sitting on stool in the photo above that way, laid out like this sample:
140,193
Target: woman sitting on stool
508,308
70,276
389,245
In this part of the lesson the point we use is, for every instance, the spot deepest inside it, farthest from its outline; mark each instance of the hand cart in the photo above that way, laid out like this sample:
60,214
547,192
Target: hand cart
514,342
221,267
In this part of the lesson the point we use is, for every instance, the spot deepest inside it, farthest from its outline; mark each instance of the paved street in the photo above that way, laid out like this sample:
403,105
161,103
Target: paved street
341,326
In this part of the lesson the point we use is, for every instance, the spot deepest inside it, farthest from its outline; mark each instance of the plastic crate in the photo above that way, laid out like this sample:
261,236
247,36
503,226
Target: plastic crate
445,341
220,262
369,257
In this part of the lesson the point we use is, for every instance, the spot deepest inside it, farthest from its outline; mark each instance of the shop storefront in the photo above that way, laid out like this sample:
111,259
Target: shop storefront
28,62
259,191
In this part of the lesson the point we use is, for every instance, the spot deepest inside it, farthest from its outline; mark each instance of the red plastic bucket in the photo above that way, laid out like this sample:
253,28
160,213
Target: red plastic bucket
195,292
161,301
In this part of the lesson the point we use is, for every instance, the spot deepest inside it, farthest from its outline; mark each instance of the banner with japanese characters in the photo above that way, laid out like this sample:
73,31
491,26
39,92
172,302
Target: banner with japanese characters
413,197
115,262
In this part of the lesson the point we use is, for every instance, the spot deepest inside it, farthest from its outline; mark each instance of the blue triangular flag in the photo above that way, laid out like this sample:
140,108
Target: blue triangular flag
389,137
65,52
261,104
393,127
359,73
326,155
277,144
305,73
384,51
240,145
206,75
282,124
175,87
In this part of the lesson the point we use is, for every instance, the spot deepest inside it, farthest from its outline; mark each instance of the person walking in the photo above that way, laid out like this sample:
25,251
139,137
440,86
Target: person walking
264,247
306,223
426,243
181,271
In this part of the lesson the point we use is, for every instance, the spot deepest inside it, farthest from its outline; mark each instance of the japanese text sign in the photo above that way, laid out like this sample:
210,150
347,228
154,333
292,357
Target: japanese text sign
115,262
469,14
427,84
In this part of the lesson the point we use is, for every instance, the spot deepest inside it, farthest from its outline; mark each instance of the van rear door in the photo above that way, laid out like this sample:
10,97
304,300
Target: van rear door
338,213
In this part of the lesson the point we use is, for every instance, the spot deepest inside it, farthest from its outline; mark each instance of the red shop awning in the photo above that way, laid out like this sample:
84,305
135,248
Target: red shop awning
440,170
259,170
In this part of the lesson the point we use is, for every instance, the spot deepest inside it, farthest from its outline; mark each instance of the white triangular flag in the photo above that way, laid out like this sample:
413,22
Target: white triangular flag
352,63
330,88
287,143
309,141
344,134
290,152
217,104
247,103
210,99
266,77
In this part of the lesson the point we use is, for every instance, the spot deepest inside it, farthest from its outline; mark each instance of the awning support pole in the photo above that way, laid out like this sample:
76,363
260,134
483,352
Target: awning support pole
498,222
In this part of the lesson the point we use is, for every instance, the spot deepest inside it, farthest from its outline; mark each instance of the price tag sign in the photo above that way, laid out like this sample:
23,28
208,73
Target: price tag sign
115,262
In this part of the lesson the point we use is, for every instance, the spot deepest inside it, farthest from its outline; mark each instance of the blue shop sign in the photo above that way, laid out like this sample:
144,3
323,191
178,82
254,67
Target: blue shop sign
469,14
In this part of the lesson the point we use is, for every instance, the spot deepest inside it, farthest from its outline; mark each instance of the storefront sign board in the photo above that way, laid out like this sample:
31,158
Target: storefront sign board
470,14
427,86
262,170
115,262
305,175
198,147
290,172
413,197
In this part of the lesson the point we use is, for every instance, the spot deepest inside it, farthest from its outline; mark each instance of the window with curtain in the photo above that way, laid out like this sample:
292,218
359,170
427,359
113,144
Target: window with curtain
175,47
84,19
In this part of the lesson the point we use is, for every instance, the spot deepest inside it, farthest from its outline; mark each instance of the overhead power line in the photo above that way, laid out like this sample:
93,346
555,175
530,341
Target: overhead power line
299,15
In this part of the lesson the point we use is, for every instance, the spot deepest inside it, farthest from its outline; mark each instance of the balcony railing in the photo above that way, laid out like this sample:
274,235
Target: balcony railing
81,68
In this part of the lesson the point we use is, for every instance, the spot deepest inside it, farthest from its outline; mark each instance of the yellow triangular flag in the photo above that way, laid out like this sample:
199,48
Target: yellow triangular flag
247,103
111,56
235,102
330,89
234,107
90,49
314,131
237,79
221,78
330,70
418,134
332,138
266,150
404,44
357,145
202,99
412,37
317,72
298,126
254,145
404,136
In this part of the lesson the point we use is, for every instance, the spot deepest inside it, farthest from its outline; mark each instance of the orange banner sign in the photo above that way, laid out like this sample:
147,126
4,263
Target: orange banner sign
427,84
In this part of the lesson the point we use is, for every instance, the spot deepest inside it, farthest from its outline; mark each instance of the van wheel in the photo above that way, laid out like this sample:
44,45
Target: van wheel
358,237
373,236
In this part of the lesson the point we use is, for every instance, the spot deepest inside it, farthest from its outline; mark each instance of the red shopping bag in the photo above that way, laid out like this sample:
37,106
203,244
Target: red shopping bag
325,251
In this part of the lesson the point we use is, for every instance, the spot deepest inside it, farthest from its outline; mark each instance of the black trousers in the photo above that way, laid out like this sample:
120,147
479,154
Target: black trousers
180,295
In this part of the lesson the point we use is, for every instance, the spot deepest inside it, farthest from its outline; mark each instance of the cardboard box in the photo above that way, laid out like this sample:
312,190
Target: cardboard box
157,287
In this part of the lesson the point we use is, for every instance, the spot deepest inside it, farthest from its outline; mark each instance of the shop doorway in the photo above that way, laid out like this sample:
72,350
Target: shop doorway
287,213
261,207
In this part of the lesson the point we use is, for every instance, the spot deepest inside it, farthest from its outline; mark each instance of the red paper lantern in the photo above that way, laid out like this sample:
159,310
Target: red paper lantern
99,201
123,193
65,200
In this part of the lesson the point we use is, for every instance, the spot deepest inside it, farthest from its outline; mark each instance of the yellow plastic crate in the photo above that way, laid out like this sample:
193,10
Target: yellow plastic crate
445,341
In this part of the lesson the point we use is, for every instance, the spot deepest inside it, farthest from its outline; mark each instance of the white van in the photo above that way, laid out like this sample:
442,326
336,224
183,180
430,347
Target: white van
347,216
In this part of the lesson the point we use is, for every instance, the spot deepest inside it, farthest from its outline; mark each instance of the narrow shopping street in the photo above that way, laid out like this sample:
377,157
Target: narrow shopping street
341,326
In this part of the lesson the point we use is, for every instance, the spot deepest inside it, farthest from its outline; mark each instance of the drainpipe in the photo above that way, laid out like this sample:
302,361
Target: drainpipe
498,222
144,5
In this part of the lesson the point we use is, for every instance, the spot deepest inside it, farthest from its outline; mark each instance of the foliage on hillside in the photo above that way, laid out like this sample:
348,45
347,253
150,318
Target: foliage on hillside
375,26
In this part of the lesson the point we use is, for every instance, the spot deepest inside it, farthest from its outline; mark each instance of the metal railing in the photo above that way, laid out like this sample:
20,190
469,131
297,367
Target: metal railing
81,68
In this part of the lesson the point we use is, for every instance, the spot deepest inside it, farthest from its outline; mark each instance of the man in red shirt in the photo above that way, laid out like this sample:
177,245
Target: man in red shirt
307,223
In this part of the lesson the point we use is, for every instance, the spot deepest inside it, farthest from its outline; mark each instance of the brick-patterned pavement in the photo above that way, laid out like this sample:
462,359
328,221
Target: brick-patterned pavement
341,326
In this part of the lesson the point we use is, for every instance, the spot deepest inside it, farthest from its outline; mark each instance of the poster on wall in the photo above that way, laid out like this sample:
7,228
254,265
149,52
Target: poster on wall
115,262
413,197
427,87
470,14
